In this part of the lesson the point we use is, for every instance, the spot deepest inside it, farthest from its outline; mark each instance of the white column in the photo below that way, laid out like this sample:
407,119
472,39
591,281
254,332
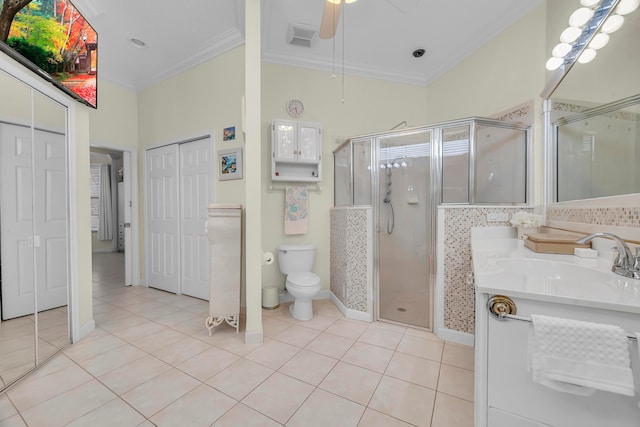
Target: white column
253,160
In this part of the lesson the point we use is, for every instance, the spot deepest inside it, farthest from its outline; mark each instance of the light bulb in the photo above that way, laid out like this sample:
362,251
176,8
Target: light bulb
396,165
561,50
383,166
389,165
627,6
599,41
570,34
580,17
587,55
403,164
350,1
612,24
335,1
589,3
554,63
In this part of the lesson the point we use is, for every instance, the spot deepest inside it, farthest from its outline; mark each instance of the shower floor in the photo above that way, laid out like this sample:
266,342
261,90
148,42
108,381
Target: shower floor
411,307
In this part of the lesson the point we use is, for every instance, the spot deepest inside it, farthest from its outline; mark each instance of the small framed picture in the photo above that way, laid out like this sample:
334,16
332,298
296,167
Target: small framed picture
230,164
229,133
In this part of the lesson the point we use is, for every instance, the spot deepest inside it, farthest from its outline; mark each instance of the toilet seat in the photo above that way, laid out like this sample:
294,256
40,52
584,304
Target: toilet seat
303,280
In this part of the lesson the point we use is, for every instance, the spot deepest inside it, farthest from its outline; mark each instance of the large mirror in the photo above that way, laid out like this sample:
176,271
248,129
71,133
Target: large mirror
594,112
34,315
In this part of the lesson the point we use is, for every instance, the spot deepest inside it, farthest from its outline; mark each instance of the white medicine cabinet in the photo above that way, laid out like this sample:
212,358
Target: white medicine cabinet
296,151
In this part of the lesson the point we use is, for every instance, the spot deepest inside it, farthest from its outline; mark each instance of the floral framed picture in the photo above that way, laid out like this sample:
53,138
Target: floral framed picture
230,164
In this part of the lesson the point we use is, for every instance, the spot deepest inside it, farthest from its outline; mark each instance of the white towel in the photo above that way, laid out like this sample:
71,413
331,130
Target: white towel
580,357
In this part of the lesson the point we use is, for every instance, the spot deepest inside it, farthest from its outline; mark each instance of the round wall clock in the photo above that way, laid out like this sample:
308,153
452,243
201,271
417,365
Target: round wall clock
295,108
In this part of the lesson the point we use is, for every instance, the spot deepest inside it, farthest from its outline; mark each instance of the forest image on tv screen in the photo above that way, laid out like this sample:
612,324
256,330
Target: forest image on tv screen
55,37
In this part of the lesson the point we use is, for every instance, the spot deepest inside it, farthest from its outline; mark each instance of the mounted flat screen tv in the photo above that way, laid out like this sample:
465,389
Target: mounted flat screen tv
53,39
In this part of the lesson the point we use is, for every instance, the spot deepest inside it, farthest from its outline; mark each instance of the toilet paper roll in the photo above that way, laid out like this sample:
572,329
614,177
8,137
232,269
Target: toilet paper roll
267,258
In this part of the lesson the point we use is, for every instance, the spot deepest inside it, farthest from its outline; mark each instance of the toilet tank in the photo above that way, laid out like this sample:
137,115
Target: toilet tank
296,258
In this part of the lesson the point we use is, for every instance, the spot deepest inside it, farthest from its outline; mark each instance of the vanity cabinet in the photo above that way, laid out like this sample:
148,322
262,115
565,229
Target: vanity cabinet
504,387
296,151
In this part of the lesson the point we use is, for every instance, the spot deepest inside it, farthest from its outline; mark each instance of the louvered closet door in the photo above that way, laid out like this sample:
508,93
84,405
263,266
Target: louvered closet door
195,195
163,220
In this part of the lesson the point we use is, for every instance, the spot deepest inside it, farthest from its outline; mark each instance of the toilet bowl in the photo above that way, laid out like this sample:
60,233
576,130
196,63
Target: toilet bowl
302,287
296,261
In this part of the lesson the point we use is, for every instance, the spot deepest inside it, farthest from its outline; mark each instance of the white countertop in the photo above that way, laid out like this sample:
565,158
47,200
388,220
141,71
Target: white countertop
503,265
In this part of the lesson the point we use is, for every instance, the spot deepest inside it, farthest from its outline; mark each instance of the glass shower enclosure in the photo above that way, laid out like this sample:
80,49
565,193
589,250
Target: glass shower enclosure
405,175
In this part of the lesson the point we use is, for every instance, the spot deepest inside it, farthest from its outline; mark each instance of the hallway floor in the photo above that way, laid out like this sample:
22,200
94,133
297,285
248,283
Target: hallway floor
150,362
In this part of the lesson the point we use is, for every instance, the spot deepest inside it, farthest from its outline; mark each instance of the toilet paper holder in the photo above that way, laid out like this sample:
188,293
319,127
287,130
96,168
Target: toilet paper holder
267,258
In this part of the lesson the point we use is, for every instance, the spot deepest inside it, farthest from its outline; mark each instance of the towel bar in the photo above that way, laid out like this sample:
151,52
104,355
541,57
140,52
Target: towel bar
503,308
282,188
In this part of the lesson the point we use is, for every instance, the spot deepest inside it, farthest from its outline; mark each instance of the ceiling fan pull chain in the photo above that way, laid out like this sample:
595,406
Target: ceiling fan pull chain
344,36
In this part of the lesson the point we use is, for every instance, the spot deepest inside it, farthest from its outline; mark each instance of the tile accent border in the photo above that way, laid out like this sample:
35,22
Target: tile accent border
615,216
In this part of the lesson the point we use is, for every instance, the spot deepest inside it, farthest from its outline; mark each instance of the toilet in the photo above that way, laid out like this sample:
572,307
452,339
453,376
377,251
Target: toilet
296,262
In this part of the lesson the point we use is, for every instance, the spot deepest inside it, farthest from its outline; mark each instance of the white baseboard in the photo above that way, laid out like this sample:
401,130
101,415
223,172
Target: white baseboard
253,337
456,336
103,251
350,313
86,329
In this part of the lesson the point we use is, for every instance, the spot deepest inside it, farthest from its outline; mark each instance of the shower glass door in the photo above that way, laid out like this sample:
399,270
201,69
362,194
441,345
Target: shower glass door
405,225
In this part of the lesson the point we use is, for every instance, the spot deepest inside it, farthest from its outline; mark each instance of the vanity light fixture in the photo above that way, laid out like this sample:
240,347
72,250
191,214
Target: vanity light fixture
587,55
625,7
561,50
612,24
589,30
599,41
580,17
570,34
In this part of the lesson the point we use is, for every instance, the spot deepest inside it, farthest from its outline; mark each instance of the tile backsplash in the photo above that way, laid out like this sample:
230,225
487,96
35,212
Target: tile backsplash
613,216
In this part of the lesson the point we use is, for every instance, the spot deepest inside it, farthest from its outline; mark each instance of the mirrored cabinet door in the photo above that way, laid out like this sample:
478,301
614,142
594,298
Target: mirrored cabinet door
17,281
34,318
50,224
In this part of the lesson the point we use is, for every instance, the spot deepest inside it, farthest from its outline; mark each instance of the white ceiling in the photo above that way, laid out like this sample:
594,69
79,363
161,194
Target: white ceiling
378,36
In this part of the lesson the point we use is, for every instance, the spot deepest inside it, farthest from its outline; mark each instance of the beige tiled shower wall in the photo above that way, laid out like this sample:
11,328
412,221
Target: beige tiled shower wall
458,294
349,256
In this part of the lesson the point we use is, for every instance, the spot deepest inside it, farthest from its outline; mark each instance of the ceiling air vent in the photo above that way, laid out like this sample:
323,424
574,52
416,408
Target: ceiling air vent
301,35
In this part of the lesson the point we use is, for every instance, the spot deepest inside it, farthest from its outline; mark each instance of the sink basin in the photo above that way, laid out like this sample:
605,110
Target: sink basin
551,270
550,277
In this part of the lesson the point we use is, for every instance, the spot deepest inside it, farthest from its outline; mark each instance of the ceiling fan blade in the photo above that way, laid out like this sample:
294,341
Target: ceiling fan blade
330,18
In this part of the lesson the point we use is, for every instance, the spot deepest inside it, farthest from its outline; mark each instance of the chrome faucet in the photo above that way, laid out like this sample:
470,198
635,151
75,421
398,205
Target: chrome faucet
626,263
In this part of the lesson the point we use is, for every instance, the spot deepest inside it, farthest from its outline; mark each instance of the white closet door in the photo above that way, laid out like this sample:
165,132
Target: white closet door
16,212
195,195
50,188
163,221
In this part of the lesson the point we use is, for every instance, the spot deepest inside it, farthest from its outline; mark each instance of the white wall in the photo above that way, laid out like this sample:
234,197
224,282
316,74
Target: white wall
369,106
208,97
199,101
508,71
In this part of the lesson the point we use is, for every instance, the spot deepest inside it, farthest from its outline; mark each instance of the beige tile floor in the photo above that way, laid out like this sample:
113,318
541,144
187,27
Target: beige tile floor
150,362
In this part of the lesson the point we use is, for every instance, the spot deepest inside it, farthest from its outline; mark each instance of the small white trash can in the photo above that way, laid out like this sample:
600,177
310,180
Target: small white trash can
270,297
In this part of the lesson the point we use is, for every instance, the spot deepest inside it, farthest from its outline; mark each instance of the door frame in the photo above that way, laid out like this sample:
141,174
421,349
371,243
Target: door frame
210,134
132,257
